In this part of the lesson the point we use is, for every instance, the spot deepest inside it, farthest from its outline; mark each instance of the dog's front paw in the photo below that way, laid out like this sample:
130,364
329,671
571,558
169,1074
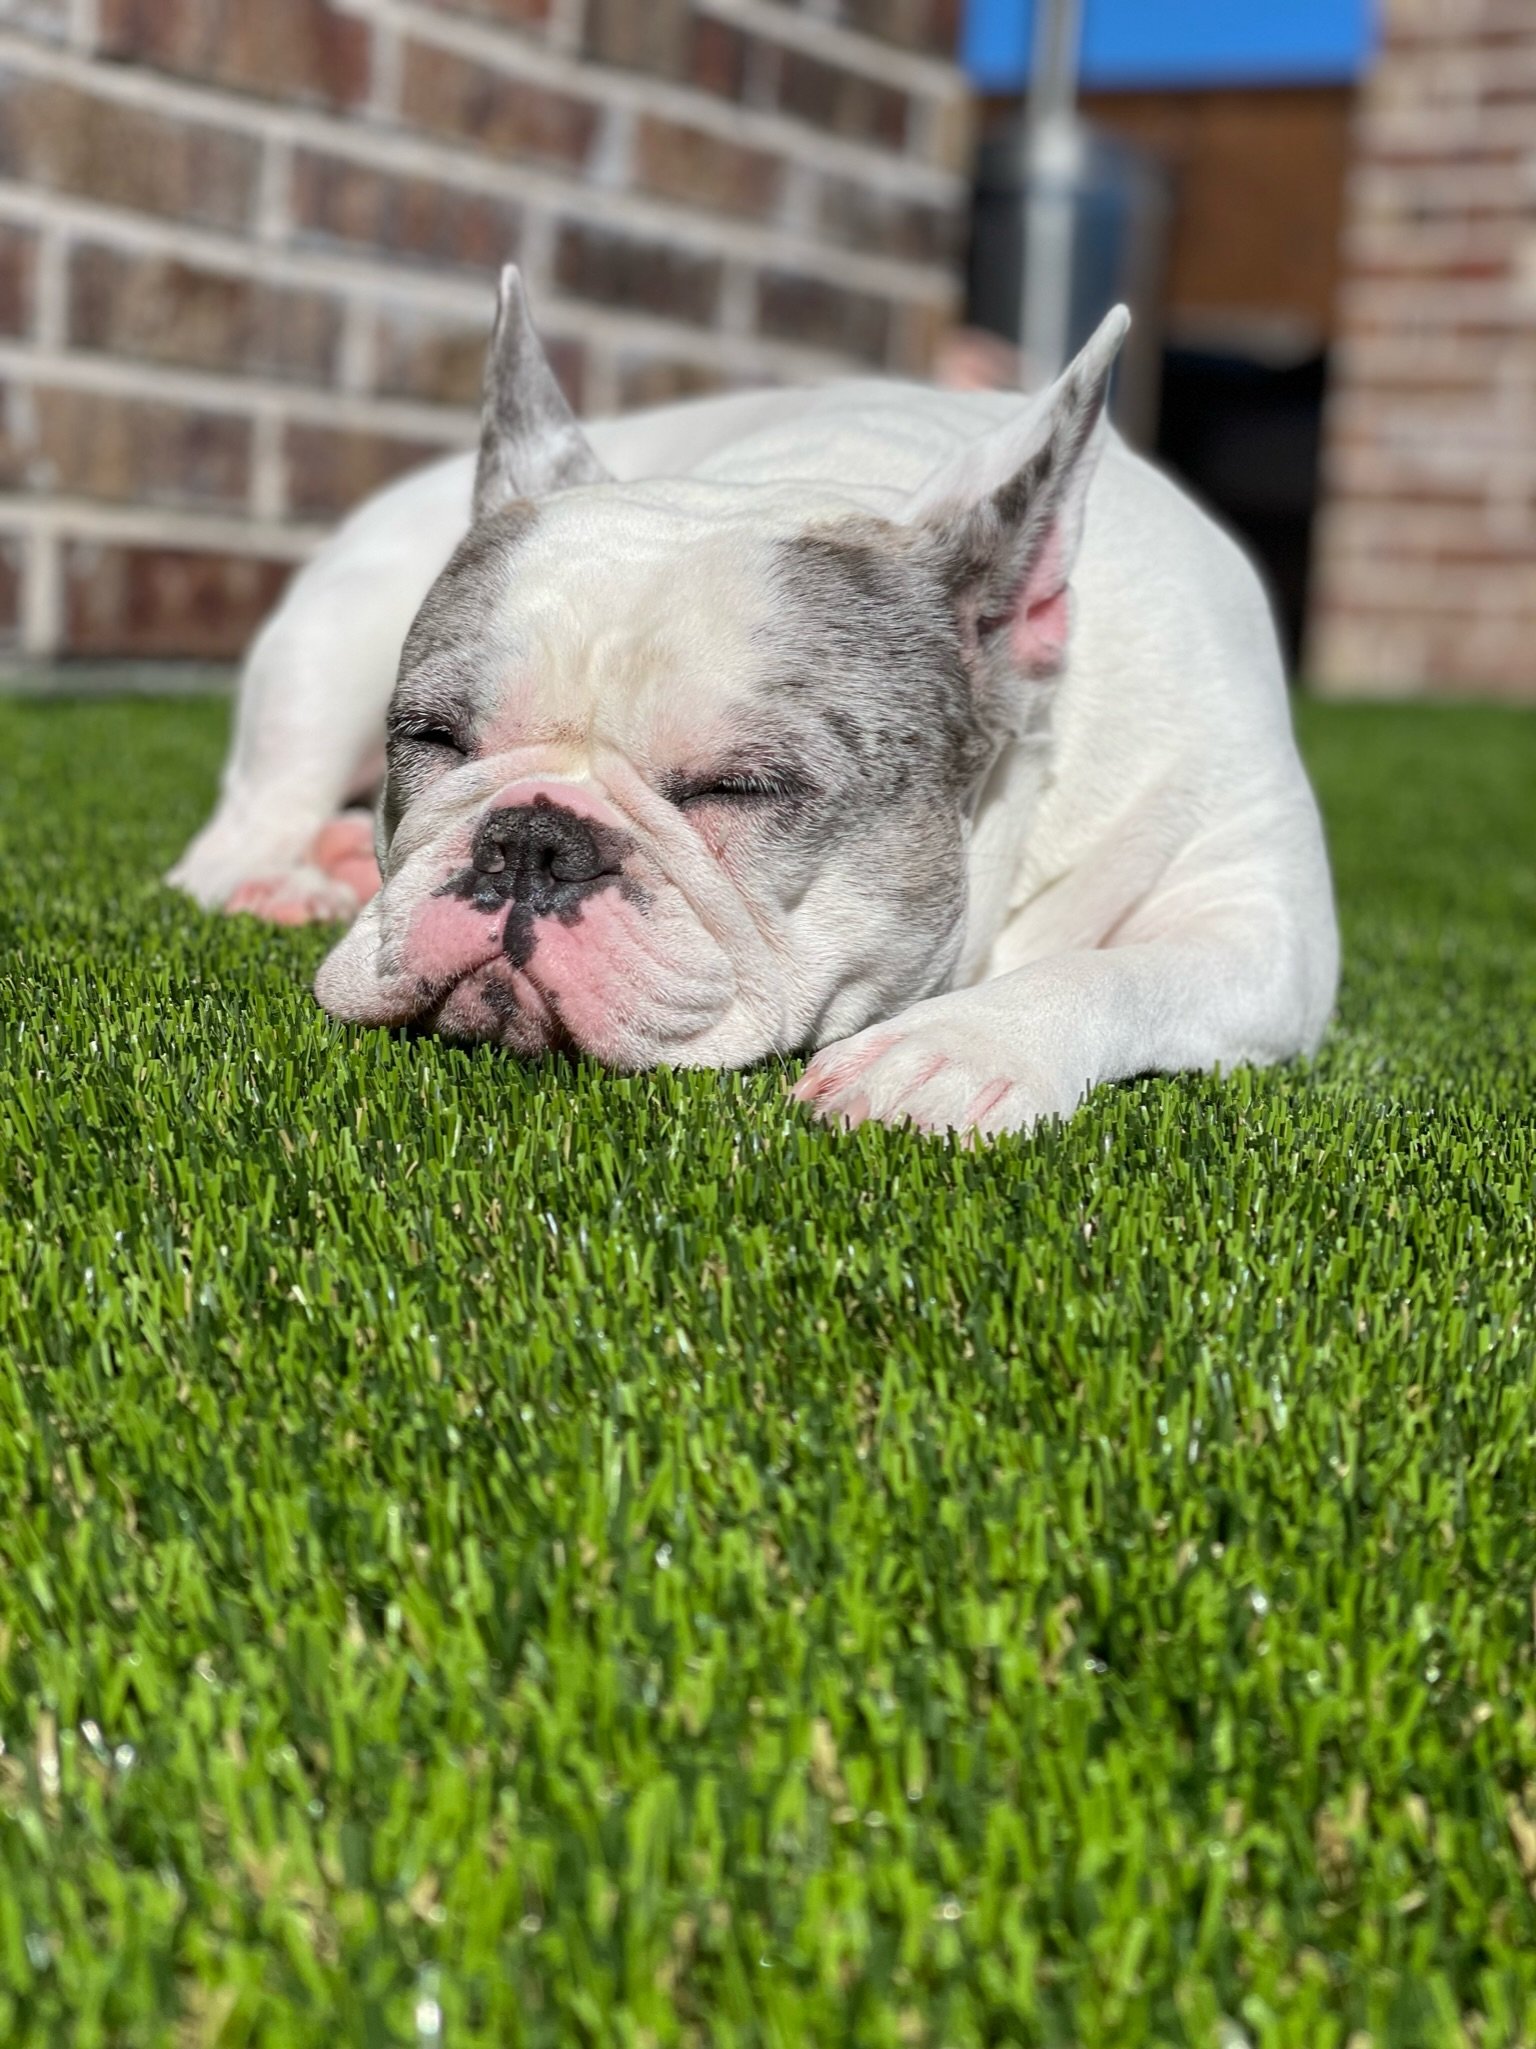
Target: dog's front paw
939,1073
336,877
298,895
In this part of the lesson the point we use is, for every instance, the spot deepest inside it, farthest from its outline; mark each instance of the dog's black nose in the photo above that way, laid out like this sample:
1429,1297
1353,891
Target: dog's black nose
540,856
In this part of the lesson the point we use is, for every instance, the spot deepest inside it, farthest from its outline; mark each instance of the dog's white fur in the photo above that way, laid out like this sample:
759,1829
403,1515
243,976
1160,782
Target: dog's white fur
1149,893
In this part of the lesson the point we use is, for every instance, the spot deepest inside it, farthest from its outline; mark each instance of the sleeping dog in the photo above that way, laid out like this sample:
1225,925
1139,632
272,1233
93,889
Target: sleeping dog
935,734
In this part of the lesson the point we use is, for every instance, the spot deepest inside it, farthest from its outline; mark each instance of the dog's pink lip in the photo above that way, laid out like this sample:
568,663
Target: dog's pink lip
448,940
542,1010
478,959
472,966
444,956
545,1029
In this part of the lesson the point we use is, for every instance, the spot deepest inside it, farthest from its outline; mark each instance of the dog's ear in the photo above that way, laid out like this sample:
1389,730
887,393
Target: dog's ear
1000,523
530,443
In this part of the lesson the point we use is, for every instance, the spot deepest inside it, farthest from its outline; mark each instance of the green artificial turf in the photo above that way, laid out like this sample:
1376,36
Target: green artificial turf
512,1556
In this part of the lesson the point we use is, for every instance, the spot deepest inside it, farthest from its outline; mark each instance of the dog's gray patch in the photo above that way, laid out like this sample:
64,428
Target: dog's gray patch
866,677
530,443
874,667
443,664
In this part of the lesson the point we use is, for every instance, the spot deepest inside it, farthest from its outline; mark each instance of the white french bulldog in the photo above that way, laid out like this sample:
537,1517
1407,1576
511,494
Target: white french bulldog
936,732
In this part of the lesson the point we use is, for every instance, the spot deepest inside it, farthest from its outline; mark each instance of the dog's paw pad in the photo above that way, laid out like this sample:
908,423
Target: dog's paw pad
343,850
331,882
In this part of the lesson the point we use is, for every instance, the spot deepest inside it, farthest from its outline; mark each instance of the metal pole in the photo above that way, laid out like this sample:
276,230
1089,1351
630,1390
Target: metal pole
1045,317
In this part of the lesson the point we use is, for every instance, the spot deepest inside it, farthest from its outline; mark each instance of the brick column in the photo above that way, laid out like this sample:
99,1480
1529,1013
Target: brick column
247,246
1426,560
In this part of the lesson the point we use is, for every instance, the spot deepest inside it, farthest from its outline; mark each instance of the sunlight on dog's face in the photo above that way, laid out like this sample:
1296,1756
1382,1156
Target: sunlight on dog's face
682,771
675,774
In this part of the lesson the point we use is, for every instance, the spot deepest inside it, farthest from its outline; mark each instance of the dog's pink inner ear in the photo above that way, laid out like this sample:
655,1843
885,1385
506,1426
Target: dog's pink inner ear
1040,619
1040,634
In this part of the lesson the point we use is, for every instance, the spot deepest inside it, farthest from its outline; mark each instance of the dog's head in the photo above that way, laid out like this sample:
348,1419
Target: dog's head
682,771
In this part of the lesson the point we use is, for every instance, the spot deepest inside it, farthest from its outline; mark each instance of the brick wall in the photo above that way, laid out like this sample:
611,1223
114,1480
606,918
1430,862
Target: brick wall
246,250
1426,559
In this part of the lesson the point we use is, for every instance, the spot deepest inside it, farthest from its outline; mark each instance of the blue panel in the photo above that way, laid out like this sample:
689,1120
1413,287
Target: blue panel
1181,42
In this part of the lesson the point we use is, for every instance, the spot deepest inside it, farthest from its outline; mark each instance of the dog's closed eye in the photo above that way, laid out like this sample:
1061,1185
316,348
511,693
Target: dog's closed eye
743,788
424,733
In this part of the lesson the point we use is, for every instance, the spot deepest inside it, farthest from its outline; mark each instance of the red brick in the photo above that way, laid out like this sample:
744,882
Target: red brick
454,96
64,140
18,270
331,468
825,316
649,277
670,39
1452,21
943,27
336,200
653,37
717,57
165,603
931,25
1439,364
515,13
157,310
868,219
280,49
706,170
1456,535
129,451
845,102
424,355
659,380
916,333
12,548
1458,654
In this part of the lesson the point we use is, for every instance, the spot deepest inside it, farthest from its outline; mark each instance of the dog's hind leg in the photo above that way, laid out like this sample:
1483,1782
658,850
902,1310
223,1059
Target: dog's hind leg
309,725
